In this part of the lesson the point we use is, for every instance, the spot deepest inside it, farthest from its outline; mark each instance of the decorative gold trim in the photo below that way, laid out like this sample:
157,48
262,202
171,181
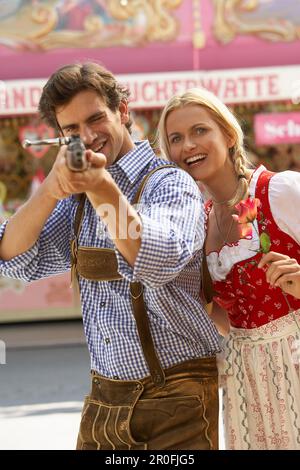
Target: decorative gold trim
228,24
198,33
132,23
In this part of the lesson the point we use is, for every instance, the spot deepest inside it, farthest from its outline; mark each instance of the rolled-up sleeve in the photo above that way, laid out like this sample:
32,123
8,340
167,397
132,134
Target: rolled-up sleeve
20,266
172,215
50,254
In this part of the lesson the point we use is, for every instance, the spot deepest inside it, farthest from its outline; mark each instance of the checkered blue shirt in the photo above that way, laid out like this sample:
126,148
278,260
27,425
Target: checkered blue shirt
168,265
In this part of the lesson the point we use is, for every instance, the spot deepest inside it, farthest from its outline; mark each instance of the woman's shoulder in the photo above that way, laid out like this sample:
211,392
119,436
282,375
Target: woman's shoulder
287,182
284,198
286,178
285,185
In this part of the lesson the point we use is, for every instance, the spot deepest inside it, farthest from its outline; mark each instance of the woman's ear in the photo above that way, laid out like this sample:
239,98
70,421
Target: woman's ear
231,141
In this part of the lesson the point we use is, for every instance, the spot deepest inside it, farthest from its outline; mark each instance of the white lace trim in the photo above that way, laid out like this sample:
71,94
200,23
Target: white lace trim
219,264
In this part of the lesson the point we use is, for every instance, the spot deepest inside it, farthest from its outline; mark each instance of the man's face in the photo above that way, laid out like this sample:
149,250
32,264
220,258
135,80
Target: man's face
101,129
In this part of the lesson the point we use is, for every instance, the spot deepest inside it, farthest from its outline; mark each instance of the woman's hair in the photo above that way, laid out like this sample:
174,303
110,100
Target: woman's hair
227,123
70,80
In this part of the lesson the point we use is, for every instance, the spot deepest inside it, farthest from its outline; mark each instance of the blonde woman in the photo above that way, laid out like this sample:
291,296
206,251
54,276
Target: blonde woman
259,368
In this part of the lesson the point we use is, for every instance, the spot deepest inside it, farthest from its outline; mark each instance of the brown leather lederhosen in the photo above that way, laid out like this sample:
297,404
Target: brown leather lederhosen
108,411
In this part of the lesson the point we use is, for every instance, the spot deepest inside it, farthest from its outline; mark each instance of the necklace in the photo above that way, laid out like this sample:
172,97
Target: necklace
220,203
224,239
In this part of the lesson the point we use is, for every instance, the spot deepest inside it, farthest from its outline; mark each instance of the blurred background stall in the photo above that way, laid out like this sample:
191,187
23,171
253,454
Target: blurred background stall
247,52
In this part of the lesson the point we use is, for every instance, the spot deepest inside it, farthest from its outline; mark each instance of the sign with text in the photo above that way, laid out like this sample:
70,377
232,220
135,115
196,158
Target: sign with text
153,90
277,128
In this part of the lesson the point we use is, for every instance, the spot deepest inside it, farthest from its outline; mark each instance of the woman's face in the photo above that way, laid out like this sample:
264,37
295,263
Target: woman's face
100,129
196,142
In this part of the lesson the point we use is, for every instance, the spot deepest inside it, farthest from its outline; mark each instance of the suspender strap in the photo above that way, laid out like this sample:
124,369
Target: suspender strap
140,312
79,214
136,288
139,192
207,286
74,244
143,327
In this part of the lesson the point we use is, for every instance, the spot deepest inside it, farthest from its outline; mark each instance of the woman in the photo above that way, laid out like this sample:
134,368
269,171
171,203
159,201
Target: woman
260,368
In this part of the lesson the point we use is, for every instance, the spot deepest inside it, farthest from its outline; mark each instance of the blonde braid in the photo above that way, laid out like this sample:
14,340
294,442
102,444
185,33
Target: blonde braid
240,162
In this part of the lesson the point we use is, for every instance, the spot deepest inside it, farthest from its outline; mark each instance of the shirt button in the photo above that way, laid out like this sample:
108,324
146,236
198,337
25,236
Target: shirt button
115,377
107,340
102,304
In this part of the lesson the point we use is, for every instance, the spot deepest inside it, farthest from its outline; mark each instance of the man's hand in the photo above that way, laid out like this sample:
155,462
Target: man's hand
62,182
24,227
283,272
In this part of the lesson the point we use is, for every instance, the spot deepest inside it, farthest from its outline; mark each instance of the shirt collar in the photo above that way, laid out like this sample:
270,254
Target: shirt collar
133,162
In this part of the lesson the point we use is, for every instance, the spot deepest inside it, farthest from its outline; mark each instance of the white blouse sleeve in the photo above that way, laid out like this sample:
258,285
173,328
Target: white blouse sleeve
284,197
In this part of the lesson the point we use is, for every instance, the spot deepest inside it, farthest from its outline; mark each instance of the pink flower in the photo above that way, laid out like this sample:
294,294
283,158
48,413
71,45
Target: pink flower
247,210
247,213
245,230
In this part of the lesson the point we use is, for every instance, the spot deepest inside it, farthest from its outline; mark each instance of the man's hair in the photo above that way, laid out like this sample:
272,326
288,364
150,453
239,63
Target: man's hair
71,79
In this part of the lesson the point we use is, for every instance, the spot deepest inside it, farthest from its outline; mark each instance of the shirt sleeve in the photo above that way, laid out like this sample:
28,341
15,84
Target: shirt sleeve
284,197
172,214
49,255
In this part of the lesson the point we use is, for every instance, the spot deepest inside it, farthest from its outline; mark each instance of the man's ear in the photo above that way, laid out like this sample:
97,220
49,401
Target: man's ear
124,113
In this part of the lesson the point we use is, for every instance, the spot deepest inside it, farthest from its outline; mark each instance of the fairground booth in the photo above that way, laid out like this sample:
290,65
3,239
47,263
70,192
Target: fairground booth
247,52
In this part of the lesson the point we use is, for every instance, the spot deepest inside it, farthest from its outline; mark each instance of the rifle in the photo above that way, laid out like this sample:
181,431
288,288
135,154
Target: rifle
75,155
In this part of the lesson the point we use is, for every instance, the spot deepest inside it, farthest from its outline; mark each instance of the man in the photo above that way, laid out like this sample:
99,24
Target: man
152,346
